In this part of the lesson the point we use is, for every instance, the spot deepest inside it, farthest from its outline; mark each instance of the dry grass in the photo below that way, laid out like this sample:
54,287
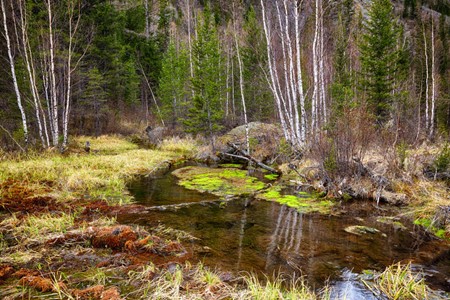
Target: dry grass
184,146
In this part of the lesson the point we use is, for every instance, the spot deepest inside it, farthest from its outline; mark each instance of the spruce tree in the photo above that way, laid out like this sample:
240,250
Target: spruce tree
380,57
173,84
206,112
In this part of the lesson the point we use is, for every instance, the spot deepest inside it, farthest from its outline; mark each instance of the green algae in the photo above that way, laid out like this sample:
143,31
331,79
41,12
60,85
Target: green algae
304,202
392,221
236,166
219,182
271,176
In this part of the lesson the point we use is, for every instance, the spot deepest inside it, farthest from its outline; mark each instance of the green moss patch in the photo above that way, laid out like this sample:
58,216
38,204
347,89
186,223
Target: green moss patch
236,166
428,224
304,202
219,182
271,176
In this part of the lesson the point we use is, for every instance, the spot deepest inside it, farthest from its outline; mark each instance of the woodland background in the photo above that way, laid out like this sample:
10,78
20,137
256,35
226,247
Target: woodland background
337,75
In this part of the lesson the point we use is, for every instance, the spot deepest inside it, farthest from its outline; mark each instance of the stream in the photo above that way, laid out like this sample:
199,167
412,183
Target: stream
268,239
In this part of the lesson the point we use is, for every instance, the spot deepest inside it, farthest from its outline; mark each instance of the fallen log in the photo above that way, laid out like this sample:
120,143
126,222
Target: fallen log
245,156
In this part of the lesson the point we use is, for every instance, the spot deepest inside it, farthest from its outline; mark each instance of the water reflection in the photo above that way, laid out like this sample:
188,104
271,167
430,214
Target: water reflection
268,238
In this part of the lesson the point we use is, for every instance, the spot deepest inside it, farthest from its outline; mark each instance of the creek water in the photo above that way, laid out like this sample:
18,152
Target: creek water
267,238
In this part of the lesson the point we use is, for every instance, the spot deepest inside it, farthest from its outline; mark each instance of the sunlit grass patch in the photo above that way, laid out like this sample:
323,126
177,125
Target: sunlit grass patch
185,146
275,289
105,144
38,226
101,174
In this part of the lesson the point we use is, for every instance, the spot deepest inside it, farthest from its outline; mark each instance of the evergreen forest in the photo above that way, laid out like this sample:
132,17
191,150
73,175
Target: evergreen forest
224,149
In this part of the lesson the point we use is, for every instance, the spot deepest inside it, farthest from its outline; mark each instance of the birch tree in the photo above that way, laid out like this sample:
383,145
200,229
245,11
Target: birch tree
241,80
53,97
285,74
13,74
28,60
74,21
433,83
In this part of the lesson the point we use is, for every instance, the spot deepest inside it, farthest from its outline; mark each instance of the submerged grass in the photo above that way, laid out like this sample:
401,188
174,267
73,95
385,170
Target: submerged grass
399,282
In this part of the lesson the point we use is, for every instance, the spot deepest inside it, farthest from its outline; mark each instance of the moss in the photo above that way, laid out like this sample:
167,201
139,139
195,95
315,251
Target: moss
428,224
237,166
303,202
220,182
271,176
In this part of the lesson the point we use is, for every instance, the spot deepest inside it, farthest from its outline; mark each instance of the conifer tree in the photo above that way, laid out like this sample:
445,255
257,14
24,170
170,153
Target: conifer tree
206,112
173,83
380,57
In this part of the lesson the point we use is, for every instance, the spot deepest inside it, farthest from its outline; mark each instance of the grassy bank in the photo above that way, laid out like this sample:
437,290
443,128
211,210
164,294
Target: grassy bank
77,251
100,174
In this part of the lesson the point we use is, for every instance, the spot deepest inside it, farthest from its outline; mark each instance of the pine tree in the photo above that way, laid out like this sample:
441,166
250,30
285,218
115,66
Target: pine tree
206,112
380,57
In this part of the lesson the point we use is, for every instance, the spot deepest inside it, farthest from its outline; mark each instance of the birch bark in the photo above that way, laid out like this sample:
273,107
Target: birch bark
13,74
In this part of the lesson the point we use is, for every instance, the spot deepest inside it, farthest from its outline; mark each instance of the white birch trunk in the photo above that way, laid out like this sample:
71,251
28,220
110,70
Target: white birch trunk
241,85
72,32
227,83
31,72
321,66
272,83
433,81
52,76
427,119
316,91
299,83
13,74
292,83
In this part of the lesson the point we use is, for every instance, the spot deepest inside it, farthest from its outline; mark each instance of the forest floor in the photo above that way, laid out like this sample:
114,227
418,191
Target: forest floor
59,241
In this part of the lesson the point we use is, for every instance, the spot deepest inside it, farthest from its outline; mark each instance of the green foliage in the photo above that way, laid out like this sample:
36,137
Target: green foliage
402,153
380,57
442,161
173,83
205,112
271,176
429,225
330,163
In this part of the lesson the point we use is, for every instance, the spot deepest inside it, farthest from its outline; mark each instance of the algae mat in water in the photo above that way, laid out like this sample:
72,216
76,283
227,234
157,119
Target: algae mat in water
303,202
220,182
